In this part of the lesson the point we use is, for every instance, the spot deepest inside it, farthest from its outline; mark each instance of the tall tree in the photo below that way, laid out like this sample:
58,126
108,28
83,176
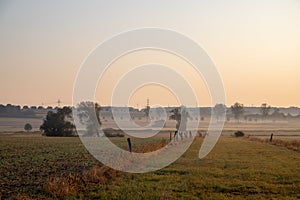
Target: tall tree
89,115
265,109
59,123
219,111
237,110
181,116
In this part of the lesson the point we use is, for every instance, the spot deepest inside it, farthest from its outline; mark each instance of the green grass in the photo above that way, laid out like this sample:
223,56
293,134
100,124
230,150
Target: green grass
235,169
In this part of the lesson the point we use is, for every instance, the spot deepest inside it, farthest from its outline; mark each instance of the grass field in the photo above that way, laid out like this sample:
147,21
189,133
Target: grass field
237,168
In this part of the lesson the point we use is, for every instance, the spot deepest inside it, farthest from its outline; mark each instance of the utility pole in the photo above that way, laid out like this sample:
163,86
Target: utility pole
148,109
148,104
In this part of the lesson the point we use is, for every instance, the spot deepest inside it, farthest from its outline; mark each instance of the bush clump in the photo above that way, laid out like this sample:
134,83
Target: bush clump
239,134
109,132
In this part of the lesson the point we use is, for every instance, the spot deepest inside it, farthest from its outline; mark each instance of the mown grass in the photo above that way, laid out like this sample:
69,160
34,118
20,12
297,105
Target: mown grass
235,169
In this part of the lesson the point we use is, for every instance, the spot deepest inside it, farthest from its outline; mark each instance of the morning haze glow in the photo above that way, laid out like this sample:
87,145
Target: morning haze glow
255,46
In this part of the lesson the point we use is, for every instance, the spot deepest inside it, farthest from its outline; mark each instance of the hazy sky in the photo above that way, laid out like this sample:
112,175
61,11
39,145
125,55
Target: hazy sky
254,44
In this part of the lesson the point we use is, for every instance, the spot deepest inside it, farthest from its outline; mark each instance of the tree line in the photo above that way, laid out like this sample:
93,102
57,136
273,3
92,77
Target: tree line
59,122
10,110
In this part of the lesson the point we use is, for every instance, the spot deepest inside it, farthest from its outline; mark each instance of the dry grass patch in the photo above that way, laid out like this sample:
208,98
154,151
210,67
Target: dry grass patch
22,197
73,185
64,186
152,146
99,175
290,144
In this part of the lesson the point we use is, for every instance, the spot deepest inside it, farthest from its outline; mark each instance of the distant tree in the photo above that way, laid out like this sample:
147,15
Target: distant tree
12,110
40,108
25,107
58,123
219,111
27,127
89,115
181,116
276,110
2,108
49,108
33,107
176,116
265,109
184,118
9,108
238,110
18,107
159,112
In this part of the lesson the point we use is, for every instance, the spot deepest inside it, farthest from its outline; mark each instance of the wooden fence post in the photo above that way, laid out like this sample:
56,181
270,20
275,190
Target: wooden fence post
271,137
129,144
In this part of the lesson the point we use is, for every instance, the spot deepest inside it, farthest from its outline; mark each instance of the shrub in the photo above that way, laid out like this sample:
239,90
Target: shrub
239,134
110,132
27,127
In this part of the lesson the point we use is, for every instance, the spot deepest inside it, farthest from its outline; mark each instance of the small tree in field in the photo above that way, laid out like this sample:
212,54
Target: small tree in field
27,127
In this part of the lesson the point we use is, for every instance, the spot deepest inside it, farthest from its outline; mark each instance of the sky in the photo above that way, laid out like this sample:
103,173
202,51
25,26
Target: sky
255,46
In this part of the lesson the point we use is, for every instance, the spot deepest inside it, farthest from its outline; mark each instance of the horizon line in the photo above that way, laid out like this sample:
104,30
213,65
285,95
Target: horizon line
139,108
